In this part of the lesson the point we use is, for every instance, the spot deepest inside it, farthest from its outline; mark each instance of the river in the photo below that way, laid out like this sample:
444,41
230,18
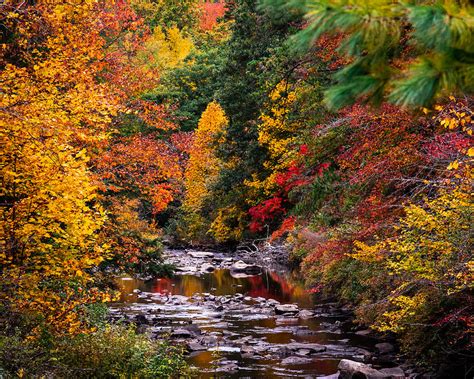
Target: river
239,325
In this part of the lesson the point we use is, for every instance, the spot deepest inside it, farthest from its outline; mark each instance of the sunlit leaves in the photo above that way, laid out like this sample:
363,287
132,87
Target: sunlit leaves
52,109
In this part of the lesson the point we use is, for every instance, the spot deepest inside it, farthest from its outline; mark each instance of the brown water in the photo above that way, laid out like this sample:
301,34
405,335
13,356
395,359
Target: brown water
183,302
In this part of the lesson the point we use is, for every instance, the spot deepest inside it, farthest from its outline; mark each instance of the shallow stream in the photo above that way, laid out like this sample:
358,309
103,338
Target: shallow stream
238,326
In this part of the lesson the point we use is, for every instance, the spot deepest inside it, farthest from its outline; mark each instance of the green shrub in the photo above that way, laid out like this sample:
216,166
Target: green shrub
110,352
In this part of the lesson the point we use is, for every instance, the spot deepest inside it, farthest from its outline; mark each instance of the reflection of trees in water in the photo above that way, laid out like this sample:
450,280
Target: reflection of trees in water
126,288
267,285
186,285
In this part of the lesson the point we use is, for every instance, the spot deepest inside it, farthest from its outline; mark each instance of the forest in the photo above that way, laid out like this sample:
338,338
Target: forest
337,133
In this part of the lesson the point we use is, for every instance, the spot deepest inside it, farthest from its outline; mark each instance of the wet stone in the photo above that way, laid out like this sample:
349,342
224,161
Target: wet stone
305,314
394,372
286,308
182,333
364,332
312,347
303,352
200,254
384,347
195,346
295,360
207,267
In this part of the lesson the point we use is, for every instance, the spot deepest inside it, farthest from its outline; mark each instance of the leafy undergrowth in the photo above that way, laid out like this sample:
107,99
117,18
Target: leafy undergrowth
109,351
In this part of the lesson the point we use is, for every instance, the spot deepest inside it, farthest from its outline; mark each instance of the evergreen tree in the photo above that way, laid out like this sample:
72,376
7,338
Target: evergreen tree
409,52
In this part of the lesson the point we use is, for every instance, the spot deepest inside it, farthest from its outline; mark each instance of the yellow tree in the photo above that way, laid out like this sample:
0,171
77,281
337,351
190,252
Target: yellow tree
52,108
276,132
203,166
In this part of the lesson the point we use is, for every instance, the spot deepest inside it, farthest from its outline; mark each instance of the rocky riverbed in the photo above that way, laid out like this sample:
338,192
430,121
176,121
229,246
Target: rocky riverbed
241,319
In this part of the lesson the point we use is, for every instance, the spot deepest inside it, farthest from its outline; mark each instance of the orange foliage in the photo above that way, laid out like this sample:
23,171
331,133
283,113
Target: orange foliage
143,165
210,12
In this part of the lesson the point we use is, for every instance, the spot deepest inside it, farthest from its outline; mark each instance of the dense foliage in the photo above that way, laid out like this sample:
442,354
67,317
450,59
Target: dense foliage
342,130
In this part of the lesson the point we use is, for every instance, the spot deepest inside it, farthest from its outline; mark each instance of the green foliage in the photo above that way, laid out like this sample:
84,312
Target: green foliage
110,352
409,52
167,13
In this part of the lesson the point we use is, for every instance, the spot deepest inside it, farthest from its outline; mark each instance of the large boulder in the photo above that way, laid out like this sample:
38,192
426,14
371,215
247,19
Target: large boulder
240,267
355,370
286,308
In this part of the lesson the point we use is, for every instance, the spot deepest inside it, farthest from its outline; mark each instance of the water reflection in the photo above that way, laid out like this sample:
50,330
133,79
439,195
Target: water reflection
269,285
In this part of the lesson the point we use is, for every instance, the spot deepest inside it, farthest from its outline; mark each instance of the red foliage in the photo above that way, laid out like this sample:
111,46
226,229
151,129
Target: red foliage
303,149
380,146
446,146
292,178
265,212
211,11
287,225
327,51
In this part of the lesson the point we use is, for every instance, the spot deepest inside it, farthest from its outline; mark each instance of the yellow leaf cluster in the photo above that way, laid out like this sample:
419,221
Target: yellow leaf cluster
203,166
52,110
431,249
165,49
228,225
276,132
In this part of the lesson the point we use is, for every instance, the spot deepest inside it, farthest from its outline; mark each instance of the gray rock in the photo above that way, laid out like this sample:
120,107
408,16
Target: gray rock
312,347
350,369
295,360
364,332
240,267
207,267
305,314
182,333
201,254
394,372
303,352
286,308
384,347
272,302
196,346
